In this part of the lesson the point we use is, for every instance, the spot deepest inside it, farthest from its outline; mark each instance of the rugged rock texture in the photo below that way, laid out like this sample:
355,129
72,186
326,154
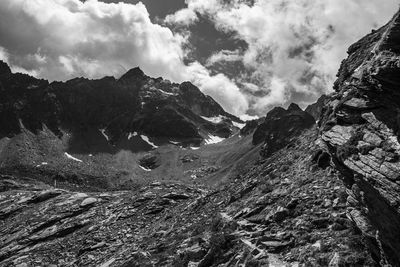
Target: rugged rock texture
101,115
288,208
360,126
284,211
280,127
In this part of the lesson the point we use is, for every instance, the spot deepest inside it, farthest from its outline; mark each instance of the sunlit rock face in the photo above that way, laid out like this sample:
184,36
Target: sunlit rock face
360,125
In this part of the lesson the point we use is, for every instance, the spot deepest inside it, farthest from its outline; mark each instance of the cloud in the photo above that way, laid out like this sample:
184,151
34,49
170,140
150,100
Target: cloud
184,17
294,47
224,56
220,87
62,39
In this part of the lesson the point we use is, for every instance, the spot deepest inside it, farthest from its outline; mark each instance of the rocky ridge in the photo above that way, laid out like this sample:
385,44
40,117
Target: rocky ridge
360,127
104,115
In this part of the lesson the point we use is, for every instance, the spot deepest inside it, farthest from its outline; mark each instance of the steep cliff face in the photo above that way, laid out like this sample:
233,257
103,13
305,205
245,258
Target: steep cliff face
360,125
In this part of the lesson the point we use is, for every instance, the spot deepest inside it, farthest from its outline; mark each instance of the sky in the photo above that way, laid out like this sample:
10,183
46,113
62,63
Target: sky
249,55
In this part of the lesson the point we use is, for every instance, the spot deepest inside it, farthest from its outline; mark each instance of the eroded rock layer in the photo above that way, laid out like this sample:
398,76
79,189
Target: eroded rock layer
360,125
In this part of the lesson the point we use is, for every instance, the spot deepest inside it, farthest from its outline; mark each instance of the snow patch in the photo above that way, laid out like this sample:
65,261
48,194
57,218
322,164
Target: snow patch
212,139
246,117
71,157
145,169
173,142
239,125
217,119
147,140
194,148
103,132
42,164
167,93
132,135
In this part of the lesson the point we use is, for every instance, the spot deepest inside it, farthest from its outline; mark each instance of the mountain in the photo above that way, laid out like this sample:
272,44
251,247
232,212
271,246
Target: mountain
112,108
138,171
105,130
360,127
280,126
255,198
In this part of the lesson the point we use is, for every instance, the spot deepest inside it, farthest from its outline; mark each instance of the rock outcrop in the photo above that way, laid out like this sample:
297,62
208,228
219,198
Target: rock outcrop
280,127
360,125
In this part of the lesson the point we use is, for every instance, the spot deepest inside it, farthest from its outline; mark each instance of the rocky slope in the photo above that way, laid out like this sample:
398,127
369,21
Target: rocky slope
360,127
283,211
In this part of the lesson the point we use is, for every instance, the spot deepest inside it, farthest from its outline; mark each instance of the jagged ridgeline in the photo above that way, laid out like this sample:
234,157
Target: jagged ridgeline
112,108
138,171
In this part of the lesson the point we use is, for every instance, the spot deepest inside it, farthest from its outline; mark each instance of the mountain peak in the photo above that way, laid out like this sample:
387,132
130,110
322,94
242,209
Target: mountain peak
133,74
294,107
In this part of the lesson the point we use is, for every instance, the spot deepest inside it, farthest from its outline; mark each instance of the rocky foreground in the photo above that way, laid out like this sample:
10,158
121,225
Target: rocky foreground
286,211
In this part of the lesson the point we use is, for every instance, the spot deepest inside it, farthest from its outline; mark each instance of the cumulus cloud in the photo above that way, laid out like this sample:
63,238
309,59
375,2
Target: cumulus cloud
184,17
294,47
222,89
224,56
62,39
